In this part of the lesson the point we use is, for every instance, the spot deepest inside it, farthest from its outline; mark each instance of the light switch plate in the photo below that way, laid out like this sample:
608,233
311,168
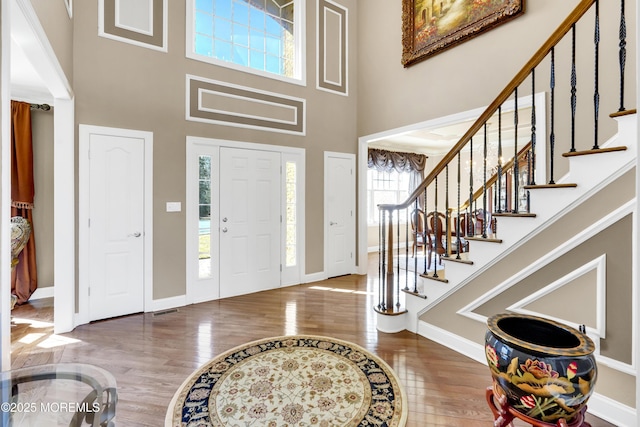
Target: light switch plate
174,206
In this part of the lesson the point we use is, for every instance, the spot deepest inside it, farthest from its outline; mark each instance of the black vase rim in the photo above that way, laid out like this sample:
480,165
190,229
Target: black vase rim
573,343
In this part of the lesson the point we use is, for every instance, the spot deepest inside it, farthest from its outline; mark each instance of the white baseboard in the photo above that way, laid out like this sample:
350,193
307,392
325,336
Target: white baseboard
598,405
168,303
314,277
611,411
41,293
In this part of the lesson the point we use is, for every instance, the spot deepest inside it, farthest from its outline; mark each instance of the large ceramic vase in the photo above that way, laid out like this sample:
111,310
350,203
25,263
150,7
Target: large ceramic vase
546,370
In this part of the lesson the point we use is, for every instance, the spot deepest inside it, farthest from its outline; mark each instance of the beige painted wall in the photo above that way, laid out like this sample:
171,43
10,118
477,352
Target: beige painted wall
42,129
473,73
615,242
121,85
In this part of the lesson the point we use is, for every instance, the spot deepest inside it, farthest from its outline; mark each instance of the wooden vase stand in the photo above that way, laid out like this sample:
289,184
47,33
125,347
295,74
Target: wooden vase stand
504,414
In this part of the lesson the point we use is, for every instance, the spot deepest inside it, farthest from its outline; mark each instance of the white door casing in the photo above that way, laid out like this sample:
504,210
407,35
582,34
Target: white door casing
205,287
115,222
250,220
339,213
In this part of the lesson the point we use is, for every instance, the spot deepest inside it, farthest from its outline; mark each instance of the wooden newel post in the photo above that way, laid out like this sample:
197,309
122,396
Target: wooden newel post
390,275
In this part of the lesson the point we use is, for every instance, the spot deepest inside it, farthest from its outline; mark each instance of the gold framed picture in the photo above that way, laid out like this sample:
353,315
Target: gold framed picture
432,26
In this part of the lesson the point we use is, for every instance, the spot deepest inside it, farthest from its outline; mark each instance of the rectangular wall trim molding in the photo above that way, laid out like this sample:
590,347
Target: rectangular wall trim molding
213,101
332,49
141,22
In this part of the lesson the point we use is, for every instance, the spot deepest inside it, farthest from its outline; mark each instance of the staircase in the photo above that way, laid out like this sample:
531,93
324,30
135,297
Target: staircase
505,270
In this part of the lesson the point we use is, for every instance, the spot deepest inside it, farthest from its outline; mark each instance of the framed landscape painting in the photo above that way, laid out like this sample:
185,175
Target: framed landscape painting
432,26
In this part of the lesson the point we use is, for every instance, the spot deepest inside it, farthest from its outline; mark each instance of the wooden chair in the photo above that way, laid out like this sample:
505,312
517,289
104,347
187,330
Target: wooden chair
435,236
417,232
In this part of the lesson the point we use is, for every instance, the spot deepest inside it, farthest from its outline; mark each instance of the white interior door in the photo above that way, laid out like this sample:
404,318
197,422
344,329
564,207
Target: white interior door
116,225
249,221
339,197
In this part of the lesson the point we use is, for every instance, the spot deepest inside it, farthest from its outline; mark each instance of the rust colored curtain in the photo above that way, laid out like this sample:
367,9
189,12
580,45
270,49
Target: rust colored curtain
24,280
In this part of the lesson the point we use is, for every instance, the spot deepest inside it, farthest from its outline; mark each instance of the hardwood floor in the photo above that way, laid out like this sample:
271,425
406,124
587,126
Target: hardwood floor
150,355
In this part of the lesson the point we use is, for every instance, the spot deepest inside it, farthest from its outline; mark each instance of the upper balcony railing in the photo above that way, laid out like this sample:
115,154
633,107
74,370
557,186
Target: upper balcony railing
502,187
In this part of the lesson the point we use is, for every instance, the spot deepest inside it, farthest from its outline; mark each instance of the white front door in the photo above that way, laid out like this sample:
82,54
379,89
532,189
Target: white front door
249,221
339,196
116,225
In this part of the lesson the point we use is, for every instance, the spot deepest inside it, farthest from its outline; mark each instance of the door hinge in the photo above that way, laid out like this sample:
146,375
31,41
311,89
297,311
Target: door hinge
89,222
280,268
89,291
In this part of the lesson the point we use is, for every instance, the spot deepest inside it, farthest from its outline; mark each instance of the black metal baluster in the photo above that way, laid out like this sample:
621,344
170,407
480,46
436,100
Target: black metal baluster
470,229
596,94
398,251
415,218
622,54
516,172
383,219
397,292
436,231
426,231
574,88
406,249
532,169
446,212
500,161
552,134
458,220
484,185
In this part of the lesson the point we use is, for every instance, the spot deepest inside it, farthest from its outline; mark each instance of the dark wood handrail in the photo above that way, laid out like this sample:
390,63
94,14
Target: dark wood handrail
535,60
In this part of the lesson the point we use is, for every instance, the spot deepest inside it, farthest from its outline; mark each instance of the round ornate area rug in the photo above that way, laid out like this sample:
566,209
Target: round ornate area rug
291,381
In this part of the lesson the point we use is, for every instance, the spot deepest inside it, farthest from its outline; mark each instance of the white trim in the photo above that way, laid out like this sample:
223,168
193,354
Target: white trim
612,411
189,117
364,141
35,44
287,154
69,5
85,131
315,277
42,293
167,303
64,215
599,405
599,264
5,180
147,32
352,225
346,44
202,91
549,257
299,20
165,30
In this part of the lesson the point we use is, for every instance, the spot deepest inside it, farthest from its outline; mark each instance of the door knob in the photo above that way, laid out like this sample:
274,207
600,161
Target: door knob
333,223
136,234
224,230
224,219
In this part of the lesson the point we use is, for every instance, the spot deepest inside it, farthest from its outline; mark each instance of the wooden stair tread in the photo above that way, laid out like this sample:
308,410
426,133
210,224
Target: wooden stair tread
484,239
453,258
515,215
437,279
623,113
594,151
535,186
415,294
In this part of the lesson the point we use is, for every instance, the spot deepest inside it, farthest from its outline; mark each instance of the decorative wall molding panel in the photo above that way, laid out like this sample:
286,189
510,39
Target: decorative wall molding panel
332,49
139,22
223,103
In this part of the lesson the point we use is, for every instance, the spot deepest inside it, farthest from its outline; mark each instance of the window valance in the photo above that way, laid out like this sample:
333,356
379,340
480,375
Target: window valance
387,161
